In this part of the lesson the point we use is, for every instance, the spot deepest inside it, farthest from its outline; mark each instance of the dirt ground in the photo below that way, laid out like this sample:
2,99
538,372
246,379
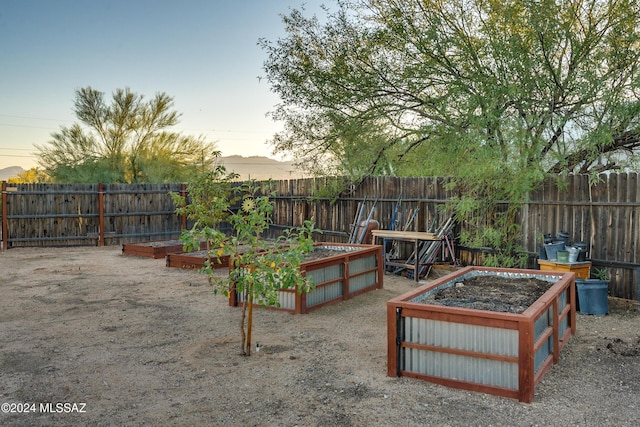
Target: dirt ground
123,340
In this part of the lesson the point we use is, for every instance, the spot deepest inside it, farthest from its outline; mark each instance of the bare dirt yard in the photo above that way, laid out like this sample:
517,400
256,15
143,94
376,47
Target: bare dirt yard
93,337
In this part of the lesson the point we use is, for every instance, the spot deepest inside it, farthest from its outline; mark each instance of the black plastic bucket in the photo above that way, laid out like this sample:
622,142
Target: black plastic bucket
582,255
563,236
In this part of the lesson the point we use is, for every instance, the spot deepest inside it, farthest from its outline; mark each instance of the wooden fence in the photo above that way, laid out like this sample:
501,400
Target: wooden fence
605,215
88,214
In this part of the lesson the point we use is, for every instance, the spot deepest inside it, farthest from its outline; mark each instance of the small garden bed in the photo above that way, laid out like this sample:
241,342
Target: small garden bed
154,249
195,260
198,259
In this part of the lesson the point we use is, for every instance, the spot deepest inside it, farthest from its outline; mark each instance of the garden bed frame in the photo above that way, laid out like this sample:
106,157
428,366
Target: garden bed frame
336,278
504,354
154,249
195,260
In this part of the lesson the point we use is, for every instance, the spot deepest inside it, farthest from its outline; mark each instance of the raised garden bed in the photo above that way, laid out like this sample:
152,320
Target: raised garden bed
505,353
154,249
194,260
339,272
197,259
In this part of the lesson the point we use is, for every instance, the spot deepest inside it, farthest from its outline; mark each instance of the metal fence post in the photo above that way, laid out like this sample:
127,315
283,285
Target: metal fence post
5,225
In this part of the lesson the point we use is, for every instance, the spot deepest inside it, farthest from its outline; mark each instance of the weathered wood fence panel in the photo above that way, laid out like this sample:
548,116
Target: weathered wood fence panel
418,200
49,214
135,212
87,214
604,214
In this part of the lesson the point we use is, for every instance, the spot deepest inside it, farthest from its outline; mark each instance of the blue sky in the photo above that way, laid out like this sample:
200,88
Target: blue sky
203,53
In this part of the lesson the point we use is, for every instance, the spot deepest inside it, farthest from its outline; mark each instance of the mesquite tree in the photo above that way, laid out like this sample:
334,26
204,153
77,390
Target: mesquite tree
494,93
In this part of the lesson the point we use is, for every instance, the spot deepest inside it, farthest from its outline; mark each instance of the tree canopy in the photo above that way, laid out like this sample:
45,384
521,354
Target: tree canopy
126,141
33,175
416,87
496,94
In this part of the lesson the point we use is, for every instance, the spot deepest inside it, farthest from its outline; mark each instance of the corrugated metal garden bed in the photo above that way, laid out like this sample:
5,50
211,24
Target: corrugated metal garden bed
343,271
500,353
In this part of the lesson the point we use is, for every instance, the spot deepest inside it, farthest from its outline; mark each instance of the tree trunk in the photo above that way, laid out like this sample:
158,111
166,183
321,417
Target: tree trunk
249,322
242,333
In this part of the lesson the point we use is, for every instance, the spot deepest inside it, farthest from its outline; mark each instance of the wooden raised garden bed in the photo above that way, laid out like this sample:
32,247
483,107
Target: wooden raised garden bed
154,249
197,259
500,353
194,260
342,272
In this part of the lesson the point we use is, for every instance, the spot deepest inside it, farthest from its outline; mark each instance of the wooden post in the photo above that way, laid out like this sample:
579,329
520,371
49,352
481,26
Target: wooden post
393,340
555,326
526,376
380,258
636,281
346,293
183,194
5,221
100,214
300,302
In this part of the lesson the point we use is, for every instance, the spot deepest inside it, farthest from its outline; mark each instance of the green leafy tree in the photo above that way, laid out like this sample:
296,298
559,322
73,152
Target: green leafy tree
33,175
259,268
126,141
426,86
495,93
208,205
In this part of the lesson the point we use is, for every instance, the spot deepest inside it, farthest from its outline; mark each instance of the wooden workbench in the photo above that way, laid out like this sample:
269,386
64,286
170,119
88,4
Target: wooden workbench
414,237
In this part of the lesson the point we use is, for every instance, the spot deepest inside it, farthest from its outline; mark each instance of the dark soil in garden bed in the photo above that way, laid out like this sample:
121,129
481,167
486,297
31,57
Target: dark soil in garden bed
492,293
160,243
315,254
319,253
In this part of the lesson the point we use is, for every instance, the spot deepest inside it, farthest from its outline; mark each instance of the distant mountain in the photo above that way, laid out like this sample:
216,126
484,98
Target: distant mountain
254,167
10,172
260,168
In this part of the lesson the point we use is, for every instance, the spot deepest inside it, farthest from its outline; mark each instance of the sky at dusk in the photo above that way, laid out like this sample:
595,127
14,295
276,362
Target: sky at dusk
203,53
